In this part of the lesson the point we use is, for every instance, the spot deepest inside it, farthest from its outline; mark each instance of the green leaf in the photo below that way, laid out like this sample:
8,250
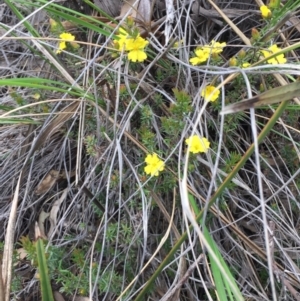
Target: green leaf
226,286
17,121
43,271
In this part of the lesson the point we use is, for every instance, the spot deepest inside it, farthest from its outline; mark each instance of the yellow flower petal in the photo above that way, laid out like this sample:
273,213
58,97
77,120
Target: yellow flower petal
137,56
154,165
122,38
203,53
216,47
246,65
265,12
195,61
201,57
65,37
209,93
278,59
197,144
136,44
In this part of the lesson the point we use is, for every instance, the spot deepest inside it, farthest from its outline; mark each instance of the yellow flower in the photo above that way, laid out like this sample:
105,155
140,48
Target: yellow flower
265,12
136,49
65,37
203,53
210,93
154,165
246,65
122,38
278,59
201,57
215,47
135,46
197,144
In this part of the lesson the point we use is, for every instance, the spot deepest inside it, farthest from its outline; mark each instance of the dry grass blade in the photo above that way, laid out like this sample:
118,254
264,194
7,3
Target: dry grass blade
9,244
55,124
54,210
2,296
230,23
272,96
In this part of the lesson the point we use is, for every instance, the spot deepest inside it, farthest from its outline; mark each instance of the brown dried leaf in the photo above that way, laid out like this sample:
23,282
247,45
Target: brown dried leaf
47,182
58,296
22,253
54,210
42,217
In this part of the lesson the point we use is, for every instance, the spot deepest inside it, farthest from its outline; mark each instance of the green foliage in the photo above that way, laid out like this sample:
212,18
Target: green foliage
110,281
44,276
230,162
90,143
147,137
174,124
168,183
290,155
183,104
70,269
146,115
111,232
17,98
172,127
126,232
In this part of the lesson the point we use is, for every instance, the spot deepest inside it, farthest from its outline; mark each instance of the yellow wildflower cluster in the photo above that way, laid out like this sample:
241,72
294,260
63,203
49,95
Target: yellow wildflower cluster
134,45
154,165
197,144
202,53
278,59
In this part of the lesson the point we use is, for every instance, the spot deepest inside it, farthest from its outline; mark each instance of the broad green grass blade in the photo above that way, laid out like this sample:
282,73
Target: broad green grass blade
44,84
75,17
46,289
222,286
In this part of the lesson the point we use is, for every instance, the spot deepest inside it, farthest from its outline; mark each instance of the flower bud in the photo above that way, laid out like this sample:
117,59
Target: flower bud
255,34
274,3
233,62
53,25
242,54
